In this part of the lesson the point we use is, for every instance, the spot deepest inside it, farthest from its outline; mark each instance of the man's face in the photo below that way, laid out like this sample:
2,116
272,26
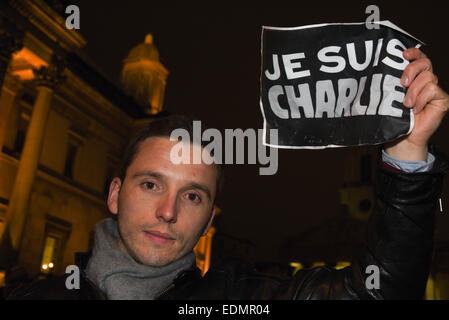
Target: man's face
163,208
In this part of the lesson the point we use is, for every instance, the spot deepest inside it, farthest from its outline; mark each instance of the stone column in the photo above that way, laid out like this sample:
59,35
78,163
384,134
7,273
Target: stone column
46,79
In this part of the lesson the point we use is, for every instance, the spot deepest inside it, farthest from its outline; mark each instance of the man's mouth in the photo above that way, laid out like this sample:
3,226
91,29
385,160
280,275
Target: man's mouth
159,237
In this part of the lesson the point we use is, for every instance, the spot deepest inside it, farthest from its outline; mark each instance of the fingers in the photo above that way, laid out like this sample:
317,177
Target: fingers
417,86
432,93
420,63
426,95
413,54
422,83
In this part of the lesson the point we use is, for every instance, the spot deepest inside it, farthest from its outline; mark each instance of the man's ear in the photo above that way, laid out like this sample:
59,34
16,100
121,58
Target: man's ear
211,219
114,190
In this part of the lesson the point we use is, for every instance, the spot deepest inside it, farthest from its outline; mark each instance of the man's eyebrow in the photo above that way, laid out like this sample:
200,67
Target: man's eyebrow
148,174
190,185
195,185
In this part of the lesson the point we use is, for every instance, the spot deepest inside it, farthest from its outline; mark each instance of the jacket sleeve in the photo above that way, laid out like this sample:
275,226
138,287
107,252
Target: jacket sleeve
399,244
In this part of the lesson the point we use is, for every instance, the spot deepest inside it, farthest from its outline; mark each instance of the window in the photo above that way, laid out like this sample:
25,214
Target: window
57,232
49,256
75,140
70,160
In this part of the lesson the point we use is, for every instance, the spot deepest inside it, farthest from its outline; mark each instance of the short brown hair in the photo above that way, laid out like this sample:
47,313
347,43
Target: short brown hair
163,127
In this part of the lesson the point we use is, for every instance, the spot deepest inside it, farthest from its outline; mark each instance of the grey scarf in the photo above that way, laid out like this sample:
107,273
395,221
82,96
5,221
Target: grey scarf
119,276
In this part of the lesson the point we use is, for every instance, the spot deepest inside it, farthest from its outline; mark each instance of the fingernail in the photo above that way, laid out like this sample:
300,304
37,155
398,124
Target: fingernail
405,81
408,102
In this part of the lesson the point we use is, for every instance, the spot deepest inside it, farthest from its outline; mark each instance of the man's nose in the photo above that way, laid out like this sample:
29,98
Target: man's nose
167,210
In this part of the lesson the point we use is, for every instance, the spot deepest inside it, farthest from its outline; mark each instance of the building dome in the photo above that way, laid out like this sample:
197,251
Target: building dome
145,51
143,77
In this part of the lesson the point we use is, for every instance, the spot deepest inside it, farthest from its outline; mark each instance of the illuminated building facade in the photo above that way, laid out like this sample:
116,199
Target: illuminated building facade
63,128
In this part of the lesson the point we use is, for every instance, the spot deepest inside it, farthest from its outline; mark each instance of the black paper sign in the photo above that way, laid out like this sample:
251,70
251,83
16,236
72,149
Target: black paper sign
334,85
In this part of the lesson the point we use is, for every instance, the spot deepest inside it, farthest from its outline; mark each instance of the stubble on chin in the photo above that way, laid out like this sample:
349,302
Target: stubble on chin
151,255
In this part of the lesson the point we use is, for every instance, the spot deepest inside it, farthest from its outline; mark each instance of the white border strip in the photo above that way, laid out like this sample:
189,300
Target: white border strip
385,23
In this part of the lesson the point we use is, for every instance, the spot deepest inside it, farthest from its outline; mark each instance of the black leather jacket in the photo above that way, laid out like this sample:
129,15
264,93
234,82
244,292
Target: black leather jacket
399,242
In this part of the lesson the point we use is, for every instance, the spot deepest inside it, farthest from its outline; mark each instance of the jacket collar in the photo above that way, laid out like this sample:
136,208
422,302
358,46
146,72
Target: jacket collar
82,258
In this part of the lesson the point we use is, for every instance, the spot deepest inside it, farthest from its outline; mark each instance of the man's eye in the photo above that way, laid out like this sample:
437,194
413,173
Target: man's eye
149,185
193,197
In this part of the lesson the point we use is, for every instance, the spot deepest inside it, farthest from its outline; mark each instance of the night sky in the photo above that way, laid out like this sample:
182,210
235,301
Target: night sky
213,55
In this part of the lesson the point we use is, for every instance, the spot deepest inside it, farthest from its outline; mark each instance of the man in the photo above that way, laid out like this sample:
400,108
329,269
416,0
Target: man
162,209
